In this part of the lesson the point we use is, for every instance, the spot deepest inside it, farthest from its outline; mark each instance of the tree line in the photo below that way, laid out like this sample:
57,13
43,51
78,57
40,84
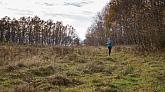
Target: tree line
35,31
130,22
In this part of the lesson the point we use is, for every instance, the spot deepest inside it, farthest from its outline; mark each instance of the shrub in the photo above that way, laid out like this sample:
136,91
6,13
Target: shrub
59,80
63,81
43,71
94,68
10,68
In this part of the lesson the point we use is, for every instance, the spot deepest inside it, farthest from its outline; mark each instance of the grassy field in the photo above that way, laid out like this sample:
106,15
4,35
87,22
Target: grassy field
80,69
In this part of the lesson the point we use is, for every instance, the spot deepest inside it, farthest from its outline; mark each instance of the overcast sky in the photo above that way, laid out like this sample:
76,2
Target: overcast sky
78,13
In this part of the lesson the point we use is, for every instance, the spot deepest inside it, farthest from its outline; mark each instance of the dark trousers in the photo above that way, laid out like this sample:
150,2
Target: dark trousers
109,51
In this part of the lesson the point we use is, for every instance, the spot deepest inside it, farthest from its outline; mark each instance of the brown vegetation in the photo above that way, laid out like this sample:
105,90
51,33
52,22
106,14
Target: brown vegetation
130,22
35,31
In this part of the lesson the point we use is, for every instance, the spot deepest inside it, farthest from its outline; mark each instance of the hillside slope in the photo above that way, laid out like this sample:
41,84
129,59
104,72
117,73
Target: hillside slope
80,69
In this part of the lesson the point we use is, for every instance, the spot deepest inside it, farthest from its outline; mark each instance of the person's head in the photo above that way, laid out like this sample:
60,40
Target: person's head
109,40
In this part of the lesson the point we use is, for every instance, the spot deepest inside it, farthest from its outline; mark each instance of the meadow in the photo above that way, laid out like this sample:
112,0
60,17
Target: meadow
79,69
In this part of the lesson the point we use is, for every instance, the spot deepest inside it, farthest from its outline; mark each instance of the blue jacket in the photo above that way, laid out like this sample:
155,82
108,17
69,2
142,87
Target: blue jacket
109,45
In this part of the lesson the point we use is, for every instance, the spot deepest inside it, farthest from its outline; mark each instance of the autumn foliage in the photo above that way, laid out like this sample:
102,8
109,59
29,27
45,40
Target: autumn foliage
130,22
35,31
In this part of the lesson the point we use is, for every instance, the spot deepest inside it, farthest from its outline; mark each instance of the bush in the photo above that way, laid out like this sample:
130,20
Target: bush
94,68
10,68
43,71
59,80
63,81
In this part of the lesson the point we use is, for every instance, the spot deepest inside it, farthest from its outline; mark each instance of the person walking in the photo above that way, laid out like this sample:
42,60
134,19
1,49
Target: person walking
109,45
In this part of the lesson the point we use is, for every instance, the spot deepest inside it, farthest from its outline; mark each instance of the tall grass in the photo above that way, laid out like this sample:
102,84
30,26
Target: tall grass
89,69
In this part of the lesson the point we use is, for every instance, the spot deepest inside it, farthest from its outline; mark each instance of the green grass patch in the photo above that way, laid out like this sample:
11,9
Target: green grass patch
85,69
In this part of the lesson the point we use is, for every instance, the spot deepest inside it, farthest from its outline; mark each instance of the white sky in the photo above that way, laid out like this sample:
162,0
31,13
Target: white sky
78,13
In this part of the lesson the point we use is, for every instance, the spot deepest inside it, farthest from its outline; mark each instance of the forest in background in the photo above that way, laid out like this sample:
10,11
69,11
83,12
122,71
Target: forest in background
135,23
139,24
37,32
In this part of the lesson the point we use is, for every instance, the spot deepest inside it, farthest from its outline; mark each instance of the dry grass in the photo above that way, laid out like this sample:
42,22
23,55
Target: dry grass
79,69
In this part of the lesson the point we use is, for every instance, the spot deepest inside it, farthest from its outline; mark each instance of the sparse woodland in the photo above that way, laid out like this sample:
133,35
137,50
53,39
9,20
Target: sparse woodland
36,32
138,23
